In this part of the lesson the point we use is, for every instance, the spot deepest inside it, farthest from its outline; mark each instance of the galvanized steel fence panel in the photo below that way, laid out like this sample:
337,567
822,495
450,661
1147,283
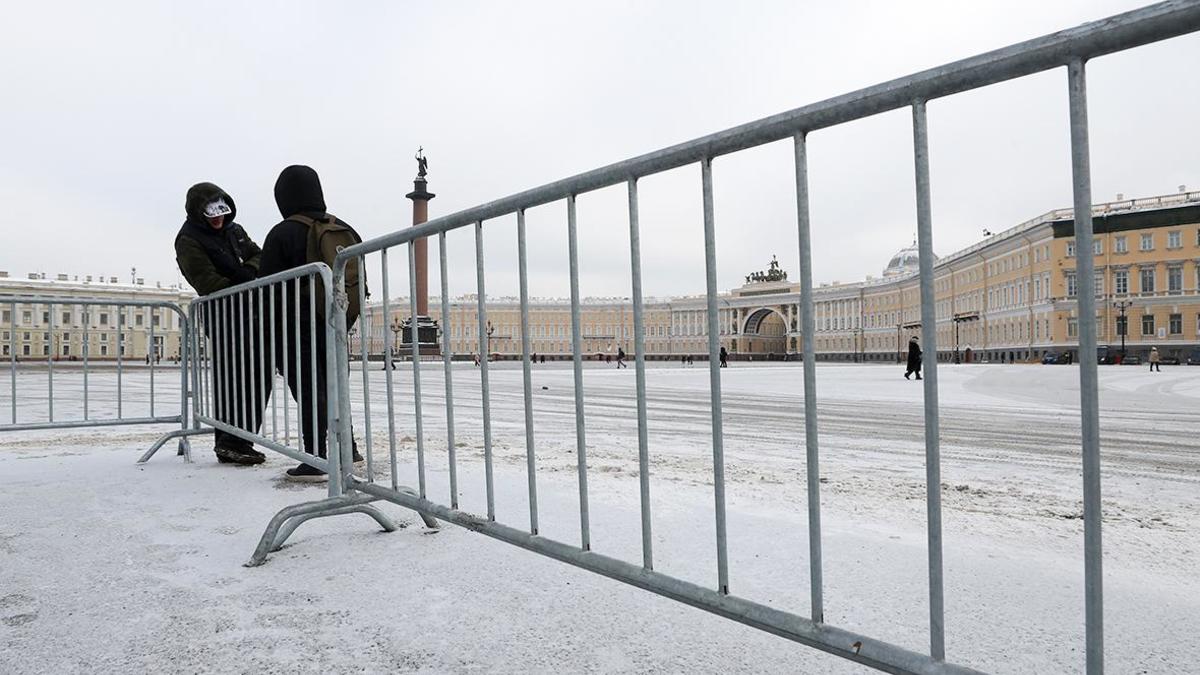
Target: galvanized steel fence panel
1069,48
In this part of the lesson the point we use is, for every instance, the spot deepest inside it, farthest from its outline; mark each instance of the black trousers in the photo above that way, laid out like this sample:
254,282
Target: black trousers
309,383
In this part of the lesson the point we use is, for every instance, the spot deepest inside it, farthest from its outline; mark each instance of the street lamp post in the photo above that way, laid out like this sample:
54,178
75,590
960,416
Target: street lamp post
487,351
1122,326
396,328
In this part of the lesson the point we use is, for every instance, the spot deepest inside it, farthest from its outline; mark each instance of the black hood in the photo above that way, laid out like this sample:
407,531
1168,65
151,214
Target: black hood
298,190
199,195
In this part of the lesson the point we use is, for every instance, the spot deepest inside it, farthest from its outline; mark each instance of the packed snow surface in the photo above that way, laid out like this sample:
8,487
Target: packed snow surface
110,567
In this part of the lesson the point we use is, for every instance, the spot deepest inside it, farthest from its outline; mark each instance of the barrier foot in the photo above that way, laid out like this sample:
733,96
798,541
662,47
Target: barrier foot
287,520
185,450
184,445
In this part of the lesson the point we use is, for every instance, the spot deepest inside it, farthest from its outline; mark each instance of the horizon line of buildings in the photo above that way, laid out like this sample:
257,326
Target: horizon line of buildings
1010,297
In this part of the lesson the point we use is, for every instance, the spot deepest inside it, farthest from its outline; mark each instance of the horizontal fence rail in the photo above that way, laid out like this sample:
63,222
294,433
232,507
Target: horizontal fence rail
1069,48
75,345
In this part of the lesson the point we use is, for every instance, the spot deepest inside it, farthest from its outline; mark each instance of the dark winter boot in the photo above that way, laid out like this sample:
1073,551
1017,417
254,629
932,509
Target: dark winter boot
304,473
238,454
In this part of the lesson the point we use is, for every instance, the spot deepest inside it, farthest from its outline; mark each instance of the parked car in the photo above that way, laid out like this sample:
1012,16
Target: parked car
1052,358
1132,360
1169,360
1193,357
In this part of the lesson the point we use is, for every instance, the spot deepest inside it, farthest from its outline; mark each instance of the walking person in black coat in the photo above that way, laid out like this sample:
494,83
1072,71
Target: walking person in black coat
914,358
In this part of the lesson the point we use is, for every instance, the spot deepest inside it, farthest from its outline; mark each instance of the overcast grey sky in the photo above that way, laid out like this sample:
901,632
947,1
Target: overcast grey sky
111,110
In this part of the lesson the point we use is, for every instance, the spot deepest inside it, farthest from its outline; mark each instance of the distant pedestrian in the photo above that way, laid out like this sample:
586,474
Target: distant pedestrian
533,359
543,358
608,358
1155,360
691,362
476,359
724,358
621,358
913,364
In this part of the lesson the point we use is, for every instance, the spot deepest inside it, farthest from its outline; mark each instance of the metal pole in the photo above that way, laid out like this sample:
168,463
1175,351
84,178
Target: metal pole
12,358
577,360
313,392
1089,406
120,358
933,462
271,364
241,405
526,375
154,348
808,326
387,367
298,373
86,344
639,348
714,373
364,352
50,361
416,359
447,369
483,372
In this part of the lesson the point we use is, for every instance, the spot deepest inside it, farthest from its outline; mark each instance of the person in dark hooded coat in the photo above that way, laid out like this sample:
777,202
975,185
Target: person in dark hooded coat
914,358
298,192
215,253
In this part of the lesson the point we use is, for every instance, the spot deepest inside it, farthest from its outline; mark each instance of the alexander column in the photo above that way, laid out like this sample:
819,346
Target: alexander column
426,327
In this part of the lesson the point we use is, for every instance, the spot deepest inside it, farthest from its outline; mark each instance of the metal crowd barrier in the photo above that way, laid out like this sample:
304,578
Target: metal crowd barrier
1070,49
26,409
253,343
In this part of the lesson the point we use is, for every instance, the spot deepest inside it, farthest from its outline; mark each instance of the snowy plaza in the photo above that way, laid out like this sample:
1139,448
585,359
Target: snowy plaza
114,567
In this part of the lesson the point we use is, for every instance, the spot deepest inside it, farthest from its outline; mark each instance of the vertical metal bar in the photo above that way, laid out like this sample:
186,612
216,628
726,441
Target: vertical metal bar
12,358
808,326
365,354
447,369
185,331
260,401
1088,387
416,358
241,334
153,358
585,535
313,393
714,373
484,352
283,359
120,357
526,375
220,376
86,348
933,460
271,366
299,371
50,360
639,349
387,367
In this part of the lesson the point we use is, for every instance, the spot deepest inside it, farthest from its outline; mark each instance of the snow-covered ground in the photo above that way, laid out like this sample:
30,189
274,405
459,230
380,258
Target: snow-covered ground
107,567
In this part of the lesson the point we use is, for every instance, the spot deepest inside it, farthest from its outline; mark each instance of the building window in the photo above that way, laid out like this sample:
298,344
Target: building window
1121,282
103,318
66,318
46,318
25,350
1098,284
1147,242
6,317
1147,324
1175,279
1072,327
1175,324
1070,284
1147,278
1123,325
139,320
1175,239
1070,249
1121,244
103,350
1098,246
5,347
66,349
26,318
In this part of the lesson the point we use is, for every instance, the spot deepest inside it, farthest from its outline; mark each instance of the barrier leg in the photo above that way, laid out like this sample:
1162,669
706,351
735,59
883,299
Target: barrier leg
185,447
285,523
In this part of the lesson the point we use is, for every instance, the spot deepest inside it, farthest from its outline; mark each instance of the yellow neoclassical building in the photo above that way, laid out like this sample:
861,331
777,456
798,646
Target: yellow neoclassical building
1008,298
38,331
